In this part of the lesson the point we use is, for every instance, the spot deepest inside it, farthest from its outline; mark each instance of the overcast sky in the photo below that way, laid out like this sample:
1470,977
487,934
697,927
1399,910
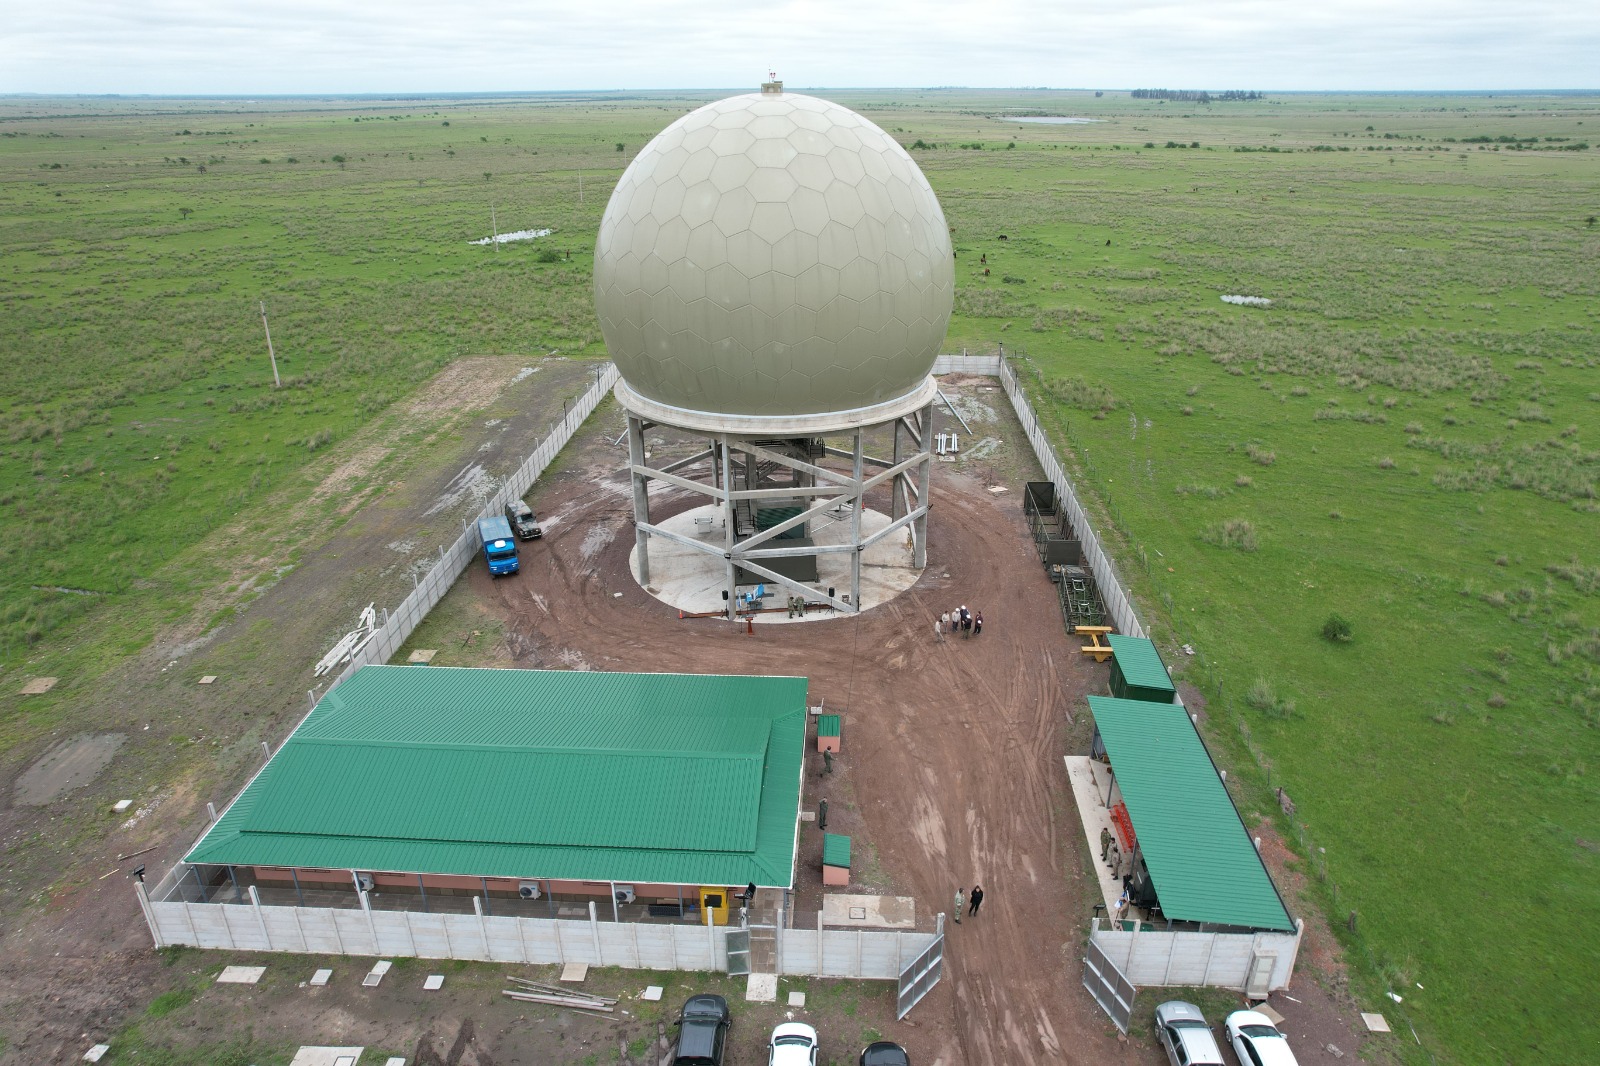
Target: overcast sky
301,46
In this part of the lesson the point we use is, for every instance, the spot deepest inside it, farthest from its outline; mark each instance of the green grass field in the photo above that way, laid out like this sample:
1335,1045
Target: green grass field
1405,438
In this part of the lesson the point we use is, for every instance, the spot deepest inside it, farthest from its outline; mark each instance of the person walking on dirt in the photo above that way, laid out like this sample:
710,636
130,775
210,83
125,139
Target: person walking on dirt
959,902
938,631
977,900
945,618
977,624
966,623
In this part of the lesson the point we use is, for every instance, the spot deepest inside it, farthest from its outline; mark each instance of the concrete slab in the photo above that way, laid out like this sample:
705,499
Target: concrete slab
652,994
240,975
321,977
575,972
422,655
1089,779
38,686
434,982
869,912
797,999
96,1053
375,975
71,764
1376,1023
692,581
120,806
209,679
394,1060
315,1055
1266,1011
761,988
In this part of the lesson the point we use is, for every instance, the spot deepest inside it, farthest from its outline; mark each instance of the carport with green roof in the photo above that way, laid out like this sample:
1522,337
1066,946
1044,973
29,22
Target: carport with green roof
443,782
1193,857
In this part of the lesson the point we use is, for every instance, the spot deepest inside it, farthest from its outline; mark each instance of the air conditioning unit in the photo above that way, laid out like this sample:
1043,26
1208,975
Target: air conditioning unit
528,890
364,882
625,894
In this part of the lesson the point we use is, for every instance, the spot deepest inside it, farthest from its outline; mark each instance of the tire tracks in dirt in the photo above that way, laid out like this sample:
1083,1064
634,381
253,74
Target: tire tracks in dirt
955,746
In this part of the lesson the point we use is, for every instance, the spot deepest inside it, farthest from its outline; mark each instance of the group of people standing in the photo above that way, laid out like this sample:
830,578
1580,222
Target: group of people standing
968,623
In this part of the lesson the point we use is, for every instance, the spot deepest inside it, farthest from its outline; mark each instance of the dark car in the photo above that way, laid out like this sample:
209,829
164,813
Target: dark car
523,523
884,1053
702,1031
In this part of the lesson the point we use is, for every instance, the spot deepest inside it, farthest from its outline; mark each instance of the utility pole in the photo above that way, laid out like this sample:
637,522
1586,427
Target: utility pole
580,190
270,355
495,227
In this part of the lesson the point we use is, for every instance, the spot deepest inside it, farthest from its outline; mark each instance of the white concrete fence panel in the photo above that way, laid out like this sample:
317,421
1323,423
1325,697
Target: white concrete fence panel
361,931
1153,959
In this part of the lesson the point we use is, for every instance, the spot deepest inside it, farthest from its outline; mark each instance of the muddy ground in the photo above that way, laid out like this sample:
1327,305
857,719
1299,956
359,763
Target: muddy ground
951,774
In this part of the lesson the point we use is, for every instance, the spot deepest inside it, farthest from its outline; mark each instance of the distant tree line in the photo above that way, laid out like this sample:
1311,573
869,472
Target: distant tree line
1190,96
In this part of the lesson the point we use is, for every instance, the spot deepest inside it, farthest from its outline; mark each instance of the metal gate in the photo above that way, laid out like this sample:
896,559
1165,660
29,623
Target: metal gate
1108,986
918,979
738,942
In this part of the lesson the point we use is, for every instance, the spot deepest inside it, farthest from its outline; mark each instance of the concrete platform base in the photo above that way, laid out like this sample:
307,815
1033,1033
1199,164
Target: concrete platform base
869,912
693,581
1089,780
761,988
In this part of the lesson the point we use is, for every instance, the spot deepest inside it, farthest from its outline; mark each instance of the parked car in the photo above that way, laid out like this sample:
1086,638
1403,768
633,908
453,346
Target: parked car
702,1031
1183,1033
884,1053
523,523
1257,1041
792,1044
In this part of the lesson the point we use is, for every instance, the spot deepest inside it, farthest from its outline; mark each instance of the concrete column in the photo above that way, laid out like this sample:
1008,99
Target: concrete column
726,485
919,527
855,526
641,496
897,506
149,915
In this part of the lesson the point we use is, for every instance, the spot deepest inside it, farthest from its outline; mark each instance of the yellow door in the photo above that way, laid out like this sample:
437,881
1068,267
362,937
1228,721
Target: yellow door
714,900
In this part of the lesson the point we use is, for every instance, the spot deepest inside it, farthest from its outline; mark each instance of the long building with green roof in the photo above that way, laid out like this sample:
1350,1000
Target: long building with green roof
1189,835
541,775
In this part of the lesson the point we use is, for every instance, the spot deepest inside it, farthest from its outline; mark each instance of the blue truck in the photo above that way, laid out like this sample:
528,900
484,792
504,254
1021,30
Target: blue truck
499,549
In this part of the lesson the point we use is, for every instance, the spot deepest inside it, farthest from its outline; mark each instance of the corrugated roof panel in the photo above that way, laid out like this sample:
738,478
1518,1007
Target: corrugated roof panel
1202,861
1140,663
526,773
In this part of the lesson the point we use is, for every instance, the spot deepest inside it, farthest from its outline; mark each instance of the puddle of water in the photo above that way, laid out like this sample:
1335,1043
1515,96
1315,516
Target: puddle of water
1248,301
473,483
519,235
1052,120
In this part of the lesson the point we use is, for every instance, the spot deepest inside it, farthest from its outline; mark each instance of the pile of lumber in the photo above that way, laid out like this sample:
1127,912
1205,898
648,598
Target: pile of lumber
533,992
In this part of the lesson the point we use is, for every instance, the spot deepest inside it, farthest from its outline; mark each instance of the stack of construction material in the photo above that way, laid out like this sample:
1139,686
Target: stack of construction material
533,992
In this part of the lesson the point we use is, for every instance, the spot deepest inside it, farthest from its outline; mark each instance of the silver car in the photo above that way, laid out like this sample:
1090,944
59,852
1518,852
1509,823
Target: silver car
1185,1036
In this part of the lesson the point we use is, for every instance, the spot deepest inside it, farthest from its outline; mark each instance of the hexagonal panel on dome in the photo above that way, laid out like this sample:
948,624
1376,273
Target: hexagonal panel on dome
773,255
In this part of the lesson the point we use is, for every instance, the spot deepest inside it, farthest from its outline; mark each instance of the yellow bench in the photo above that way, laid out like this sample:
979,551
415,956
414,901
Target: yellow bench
1096,647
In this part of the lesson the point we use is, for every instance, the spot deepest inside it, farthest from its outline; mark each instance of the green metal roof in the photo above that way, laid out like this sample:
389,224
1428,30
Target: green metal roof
1202,861
827,725
671,778
1140,663
836,850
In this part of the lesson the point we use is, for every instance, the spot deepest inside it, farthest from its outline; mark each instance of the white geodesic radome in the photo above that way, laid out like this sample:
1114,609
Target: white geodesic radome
773,255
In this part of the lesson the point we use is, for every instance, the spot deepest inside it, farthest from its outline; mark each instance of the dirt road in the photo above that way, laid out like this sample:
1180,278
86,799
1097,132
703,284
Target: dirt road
954,748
